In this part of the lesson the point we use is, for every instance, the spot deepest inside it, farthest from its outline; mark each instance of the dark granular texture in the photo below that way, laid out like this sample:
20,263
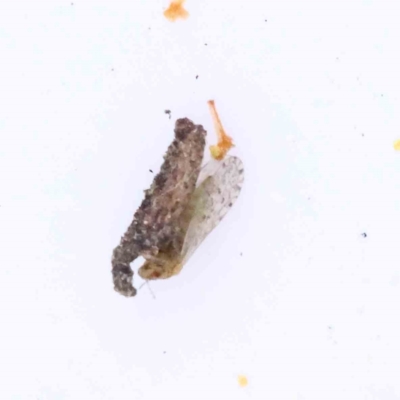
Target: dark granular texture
157,224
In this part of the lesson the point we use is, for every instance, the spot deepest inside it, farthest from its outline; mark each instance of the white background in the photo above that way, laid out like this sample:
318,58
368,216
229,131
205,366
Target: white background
286,290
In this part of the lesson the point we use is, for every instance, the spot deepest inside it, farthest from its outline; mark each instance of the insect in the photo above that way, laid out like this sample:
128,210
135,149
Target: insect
183,205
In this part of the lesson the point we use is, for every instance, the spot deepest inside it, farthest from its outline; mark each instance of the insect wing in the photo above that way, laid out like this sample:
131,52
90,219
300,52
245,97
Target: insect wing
219,187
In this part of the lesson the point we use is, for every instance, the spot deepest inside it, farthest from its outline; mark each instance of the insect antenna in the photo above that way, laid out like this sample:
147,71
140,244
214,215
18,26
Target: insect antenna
147,282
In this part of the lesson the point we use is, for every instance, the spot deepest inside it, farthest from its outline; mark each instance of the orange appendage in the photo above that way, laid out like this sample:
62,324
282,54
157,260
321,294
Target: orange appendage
225,142
242,380
176,10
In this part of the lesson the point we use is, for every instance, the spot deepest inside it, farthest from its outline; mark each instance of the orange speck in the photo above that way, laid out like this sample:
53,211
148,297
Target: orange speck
242,380
176,10
225,142
396,145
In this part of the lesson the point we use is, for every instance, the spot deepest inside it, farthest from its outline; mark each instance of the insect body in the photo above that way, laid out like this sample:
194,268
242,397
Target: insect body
183,205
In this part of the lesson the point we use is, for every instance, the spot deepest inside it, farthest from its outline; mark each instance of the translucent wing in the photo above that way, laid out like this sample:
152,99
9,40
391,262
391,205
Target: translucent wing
219,186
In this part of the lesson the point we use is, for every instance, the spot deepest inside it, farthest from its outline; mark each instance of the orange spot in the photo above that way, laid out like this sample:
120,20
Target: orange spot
225,142
396,145
176,10
242,380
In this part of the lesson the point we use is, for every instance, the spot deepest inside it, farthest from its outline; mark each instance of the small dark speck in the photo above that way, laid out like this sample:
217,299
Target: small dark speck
168,112
164,352
205,44
151,170
72,4
364,235
381,95
330,327
265,20
112,69
362,135
197,76
241,254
